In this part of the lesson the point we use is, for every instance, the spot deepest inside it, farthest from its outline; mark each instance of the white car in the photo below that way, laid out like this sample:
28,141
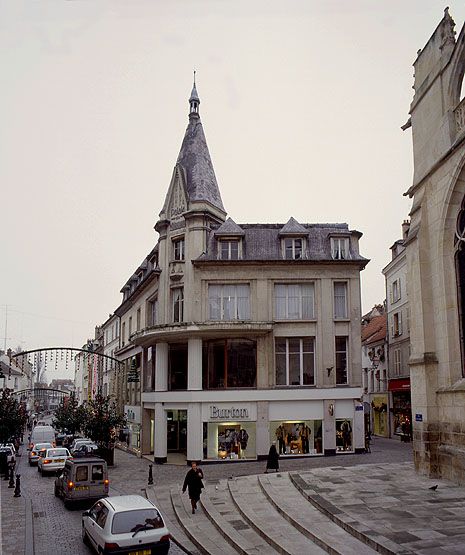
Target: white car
34,452
10,453
53,460
79,442
125,524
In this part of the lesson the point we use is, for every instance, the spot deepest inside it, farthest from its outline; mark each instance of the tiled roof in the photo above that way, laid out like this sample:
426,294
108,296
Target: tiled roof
263,242
375,331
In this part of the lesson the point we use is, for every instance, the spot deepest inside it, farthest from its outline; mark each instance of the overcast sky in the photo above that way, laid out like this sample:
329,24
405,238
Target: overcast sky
301,103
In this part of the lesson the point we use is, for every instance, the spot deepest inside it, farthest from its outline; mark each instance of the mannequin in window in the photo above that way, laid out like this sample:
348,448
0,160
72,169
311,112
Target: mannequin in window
280,437
346,430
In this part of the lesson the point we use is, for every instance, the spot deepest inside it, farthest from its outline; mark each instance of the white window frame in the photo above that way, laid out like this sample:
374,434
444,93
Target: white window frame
291,242
301,360
285,294
179,249
397,324
153,311
230,243
228,301
337,303
396,291
177,303
397,362
340,248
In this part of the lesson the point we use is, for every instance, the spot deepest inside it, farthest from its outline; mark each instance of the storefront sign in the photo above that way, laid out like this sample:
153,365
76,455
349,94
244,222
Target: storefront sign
400,384
229,412
233,413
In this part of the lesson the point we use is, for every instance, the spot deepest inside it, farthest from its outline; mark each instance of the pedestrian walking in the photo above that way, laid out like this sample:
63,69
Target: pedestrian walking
193,483
272,462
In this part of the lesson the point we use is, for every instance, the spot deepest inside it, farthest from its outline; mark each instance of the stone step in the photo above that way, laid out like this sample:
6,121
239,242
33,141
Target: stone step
161,497
220,509
198,528
282,494
263,517
360,530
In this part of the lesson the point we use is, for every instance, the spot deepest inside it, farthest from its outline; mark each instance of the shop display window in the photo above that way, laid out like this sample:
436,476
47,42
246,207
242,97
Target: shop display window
344,435
229,440
297,437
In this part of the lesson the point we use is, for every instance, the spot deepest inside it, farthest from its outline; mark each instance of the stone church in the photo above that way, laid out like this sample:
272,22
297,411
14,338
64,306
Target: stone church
436,255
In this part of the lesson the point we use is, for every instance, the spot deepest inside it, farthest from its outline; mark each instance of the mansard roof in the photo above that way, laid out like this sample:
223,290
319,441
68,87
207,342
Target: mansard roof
262,242
293,228
229,228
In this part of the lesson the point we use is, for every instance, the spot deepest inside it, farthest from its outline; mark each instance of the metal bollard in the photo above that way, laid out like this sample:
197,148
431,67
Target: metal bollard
18,486
11,483
150,475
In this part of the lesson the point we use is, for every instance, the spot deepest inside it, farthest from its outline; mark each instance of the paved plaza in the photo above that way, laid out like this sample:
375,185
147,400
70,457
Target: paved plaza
348,504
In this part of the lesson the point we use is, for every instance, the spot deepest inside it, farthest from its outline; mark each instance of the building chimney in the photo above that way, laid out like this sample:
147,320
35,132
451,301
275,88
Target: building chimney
405,228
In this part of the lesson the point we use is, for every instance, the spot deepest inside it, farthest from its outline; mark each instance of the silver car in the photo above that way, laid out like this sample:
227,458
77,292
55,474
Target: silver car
35,450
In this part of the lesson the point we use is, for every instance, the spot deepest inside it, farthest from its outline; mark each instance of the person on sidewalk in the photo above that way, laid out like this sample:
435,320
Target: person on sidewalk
272,462
193,483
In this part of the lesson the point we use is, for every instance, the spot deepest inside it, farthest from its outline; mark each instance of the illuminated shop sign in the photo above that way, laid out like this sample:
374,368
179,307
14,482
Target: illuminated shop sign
232,413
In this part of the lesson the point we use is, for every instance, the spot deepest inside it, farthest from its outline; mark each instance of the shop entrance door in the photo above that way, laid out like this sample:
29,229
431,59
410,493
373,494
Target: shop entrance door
177,431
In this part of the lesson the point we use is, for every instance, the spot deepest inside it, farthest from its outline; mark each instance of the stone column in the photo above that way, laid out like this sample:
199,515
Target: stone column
194,364
161,367
263,430
329,427
160,434
358,428
194,432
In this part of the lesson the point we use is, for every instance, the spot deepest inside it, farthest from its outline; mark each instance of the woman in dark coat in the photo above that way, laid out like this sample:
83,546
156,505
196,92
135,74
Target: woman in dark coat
193,483
272,462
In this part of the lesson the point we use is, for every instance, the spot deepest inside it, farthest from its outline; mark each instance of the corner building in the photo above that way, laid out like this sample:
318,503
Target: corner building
252,331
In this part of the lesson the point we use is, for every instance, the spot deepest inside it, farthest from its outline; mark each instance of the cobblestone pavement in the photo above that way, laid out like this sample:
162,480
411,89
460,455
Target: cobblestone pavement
58,530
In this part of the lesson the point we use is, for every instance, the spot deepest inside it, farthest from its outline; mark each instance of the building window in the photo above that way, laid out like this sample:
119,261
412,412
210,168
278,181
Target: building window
396,290
341,360
177,366
229,302
178,249
178,304
123,334
293,248
294,301
397,362
152,312
397,324
340,300
229,363
228,249
138,316
129,327
295,360
340,248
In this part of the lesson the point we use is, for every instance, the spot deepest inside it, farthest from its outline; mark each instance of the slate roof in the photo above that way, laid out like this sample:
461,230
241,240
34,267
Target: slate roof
263,242
292,228
194,157
229,228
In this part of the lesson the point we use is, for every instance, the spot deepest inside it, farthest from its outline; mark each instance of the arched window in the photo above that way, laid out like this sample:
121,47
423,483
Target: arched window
460,274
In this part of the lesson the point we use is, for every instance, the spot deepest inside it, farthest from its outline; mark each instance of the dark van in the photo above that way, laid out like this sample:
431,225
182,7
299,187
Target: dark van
82,479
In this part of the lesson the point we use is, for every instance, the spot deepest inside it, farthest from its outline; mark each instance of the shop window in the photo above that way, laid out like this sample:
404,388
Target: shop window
229,363
229,302
341,360
295,360
150,369
340,300
294,301
303,437
228,249
177,366
229,440
178,304
344,436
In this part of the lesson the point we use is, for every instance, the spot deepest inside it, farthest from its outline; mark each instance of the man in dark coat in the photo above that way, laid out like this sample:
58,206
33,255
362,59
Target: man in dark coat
193,483
272,462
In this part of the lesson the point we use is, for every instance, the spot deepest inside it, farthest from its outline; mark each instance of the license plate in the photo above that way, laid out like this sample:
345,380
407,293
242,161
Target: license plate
141,552
81,488
59,460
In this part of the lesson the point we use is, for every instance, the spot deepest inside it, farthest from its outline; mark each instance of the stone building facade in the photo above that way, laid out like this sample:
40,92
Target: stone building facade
243,334
436,256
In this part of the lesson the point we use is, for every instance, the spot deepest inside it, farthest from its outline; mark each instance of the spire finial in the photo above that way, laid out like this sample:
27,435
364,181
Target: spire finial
194,101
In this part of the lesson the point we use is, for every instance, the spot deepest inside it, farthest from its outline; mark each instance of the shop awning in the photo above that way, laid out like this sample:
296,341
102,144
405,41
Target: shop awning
401,384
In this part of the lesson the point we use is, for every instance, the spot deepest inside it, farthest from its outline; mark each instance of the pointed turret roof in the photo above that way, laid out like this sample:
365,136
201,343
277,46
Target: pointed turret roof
194,157
292,228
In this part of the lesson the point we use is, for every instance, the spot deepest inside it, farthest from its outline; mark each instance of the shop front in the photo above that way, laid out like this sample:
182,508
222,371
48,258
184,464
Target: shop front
379,405
132,438
401,408
229,431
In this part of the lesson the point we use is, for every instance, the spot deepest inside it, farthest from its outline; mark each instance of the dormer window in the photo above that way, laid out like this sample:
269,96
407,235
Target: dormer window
179,249
293,248
340,248
228,249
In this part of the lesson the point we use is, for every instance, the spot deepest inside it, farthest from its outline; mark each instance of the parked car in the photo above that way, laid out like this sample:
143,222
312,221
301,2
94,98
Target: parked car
35,450
10,453
53,460
86,450
78,441
125,524
82,479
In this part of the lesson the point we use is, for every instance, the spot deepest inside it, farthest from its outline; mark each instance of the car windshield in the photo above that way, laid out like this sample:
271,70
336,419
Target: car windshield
40,446
57,452
132,521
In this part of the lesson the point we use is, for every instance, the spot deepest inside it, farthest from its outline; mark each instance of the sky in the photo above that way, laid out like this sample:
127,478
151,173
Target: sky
301,103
